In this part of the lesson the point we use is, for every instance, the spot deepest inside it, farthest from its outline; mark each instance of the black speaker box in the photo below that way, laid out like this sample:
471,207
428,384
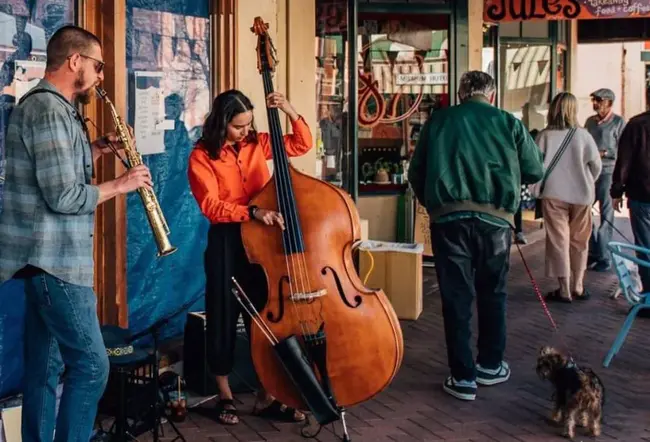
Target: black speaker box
195,363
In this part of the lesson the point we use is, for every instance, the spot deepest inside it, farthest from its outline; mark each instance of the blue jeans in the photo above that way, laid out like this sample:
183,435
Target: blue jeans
601,236
640,221
61,331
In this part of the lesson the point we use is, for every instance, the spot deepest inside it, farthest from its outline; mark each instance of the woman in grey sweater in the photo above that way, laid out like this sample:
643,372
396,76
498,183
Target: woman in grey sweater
573,164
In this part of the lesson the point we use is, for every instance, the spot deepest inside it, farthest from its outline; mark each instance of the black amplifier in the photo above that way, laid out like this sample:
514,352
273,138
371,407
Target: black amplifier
195,362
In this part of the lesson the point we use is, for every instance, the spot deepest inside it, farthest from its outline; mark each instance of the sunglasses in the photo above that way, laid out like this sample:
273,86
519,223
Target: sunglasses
99,65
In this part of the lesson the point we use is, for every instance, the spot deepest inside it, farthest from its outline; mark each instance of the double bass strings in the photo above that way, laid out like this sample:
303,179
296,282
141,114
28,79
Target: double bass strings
284,192
282,202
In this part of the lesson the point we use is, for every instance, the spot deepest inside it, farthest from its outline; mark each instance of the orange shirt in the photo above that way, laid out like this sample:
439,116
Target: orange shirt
224,187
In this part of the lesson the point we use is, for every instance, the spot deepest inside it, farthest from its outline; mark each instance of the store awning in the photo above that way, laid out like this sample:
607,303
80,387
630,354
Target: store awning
496,11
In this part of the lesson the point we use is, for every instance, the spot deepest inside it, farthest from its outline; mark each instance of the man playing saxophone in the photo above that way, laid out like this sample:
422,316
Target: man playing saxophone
46,237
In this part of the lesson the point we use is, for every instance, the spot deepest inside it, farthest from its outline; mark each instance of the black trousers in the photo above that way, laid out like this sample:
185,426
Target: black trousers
224,258
472,259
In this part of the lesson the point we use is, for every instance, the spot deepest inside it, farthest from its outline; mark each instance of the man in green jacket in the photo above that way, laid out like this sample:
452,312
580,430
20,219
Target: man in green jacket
467,170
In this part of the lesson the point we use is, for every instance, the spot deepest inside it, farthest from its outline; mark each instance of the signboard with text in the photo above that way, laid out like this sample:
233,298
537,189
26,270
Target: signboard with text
525,10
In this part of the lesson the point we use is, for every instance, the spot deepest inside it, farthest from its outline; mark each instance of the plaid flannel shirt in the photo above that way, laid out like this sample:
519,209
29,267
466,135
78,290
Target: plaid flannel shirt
49,203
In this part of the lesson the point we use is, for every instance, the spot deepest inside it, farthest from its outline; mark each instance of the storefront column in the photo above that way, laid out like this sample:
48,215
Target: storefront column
301,71
459,44
475,28
292,28
106,20
571,75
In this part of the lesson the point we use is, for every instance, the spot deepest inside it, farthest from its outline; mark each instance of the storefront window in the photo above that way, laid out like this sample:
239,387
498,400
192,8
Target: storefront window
25,28
169,80
334,154
403,78
526,82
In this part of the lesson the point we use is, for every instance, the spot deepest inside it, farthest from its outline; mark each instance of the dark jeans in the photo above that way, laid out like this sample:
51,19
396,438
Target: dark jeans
601,236
61,329
472,257
640,220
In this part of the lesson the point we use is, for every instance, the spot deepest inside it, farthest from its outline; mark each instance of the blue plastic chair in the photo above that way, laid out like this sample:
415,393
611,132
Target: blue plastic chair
628,285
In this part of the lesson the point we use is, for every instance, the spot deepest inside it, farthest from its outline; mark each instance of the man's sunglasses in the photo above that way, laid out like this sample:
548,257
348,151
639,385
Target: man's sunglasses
99,65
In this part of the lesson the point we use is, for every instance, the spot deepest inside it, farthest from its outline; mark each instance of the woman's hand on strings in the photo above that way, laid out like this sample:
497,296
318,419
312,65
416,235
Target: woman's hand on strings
278,100
269,217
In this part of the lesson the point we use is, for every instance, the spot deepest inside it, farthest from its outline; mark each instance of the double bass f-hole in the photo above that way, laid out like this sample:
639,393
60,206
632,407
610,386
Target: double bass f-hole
339,286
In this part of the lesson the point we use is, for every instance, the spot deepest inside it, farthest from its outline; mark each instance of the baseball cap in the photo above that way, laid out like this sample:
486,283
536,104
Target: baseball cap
604,94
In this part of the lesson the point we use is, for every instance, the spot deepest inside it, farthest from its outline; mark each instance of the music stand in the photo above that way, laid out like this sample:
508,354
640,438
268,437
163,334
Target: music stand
158,407
154,331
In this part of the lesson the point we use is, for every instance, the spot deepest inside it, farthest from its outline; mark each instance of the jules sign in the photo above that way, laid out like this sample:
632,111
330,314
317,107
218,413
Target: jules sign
520,10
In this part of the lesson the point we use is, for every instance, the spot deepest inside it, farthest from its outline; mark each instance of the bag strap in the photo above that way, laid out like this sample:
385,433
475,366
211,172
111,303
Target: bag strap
556,158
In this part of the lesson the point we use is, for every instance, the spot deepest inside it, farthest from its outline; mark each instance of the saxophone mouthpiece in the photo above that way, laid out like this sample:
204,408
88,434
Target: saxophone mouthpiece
100,92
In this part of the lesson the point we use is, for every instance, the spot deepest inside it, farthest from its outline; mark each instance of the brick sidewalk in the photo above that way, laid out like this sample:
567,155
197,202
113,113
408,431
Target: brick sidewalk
414,408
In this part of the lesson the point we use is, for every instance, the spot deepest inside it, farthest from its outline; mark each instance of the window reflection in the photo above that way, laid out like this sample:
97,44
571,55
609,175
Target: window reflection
169,96
527,83
25,28
332,70
403,73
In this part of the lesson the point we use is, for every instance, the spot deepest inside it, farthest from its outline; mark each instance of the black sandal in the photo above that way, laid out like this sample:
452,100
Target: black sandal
226,412
556,296
582,296
279,412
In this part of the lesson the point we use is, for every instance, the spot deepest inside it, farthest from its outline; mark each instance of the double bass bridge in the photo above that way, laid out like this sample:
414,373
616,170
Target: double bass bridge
307,296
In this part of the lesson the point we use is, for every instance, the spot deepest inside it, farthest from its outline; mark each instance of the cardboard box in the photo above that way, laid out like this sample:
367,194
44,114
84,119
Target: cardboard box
397,270
422,229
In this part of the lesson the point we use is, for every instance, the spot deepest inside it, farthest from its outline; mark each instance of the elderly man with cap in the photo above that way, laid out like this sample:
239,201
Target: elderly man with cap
606,127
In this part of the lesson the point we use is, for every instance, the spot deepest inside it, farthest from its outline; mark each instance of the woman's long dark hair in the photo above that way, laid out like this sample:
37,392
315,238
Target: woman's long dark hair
225,107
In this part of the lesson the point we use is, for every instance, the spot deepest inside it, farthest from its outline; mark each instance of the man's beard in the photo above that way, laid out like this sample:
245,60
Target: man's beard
82,97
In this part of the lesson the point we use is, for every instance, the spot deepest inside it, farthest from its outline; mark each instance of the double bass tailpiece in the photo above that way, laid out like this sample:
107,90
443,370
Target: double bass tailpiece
299,367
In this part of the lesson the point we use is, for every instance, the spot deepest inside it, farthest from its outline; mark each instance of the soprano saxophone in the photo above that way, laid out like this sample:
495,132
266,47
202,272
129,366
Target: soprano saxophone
152,209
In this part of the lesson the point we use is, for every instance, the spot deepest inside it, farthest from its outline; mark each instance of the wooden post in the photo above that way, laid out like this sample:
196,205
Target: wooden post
107,20
224,45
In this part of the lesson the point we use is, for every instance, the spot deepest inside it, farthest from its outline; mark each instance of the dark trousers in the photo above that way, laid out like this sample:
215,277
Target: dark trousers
224,258
640,221
472,257
601,236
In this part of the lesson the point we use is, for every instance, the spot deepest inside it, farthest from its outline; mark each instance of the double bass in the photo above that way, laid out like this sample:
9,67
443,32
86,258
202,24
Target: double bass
350,334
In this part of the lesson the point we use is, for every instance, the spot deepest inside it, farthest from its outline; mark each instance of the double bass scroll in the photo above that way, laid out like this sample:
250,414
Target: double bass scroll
350,334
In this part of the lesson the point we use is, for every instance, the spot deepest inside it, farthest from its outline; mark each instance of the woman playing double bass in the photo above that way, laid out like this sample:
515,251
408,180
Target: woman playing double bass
226,169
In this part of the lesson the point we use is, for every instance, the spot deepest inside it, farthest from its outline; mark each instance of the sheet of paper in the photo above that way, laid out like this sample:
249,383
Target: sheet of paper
11,418
166,125
149,113
28,74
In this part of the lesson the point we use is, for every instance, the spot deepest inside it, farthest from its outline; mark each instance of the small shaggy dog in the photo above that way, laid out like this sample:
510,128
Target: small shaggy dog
579,392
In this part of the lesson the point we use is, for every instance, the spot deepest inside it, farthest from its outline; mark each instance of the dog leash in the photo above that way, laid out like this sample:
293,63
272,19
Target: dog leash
538,292
593,209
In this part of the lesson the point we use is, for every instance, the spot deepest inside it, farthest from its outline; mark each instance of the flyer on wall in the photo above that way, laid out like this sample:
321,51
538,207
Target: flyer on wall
150,123
28,74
